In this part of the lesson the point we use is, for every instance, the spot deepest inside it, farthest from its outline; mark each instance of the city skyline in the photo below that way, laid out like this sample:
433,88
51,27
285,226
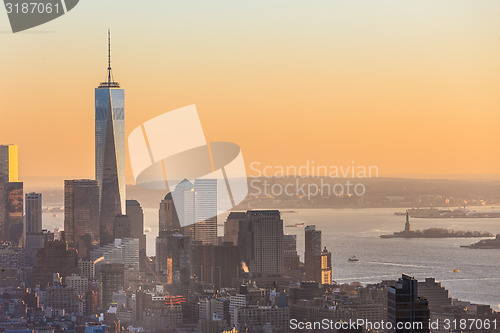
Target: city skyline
370,86
324,98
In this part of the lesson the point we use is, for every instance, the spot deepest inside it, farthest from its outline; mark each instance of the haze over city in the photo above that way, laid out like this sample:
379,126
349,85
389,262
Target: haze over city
410,87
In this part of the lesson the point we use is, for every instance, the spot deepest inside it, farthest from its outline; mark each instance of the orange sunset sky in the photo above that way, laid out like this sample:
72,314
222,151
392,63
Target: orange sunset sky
412,87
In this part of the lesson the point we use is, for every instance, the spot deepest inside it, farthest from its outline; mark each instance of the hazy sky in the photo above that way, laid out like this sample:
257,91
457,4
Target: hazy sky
412,87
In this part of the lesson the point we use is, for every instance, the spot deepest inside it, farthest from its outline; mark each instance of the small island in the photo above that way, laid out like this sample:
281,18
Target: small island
434,232
485,244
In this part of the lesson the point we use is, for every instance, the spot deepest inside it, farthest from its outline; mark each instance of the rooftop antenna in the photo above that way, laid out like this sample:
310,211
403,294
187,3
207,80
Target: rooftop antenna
109,83
109,57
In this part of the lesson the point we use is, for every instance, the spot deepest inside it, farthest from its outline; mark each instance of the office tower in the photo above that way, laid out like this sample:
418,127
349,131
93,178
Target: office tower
183,197
404,306
173,257
11,197
9,164
81,214
312,249
195,209
110,152
323,267
260,241
437,295
55,257
291,257
168,214
215,265
206,210
112,279
33,213
122,227
232,225
136,216
87,269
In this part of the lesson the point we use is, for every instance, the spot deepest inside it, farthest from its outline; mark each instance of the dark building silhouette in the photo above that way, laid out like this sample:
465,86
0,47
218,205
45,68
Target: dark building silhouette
112,279
260,242
318,263
81,214
55,257
312,249
11,197
136,216
405,307
33,213
232,226
169,219
214,264
35,242
173,257
11,212
122,227
291,257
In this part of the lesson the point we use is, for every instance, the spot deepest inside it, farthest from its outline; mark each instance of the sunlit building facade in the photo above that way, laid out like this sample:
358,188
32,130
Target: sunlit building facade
11,196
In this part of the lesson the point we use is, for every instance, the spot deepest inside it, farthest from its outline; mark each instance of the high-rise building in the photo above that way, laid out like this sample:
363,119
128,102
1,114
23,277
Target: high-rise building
35,242
437,295
214,264
291,257
195,209
323,266
110,152
232,225
260,242
318,263
406,308
169,220
9,164
183,197
206,210
81,214
11,197
112,279
136,216
312,249
11,212
55,257
173,257
33,213
122,227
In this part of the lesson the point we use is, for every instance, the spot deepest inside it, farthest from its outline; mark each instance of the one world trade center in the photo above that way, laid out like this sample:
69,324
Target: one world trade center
110,152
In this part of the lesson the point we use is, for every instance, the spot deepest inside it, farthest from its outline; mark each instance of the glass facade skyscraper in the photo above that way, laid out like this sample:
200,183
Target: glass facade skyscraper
81,214
110,154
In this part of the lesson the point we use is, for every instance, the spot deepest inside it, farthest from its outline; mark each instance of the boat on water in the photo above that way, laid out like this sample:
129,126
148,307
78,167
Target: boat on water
456,271
353,259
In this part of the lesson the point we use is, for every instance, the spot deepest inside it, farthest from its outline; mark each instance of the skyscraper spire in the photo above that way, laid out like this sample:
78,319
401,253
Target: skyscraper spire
110,82
109,57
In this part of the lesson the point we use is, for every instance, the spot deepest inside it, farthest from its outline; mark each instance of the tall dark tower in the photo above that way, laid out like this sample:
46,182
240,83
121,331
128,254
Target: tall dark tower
110,152
404,306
